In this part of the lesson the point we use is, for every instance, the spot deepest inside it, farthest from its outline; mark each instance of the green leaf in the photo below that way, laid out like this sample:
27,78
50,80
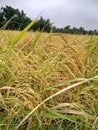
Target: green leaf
56,115
23,32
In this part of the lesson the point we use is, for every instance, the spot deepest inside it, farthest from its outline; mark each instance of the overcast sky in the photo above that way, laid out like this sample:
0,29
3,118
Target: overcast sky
76,13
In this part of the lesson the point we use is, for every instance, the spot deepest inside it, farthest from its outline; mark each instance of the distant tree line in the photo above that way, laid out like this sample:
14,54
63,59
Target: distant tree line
75,30
19,20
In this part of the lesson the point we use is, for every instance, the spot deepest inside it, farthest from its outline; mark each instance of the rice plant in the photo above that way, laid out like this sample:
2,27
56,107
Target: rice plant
48,81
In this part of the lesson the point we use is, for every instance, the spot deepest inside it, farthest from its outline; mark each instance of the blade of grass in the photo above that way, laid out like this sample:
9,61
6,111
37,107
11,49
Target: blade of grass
63,83
6,24
37,37
56,115
89,51
22,33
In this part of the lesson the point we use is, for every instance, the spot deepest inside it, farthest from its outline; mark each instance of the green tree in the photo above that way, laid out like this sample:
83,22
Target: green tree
19,21
42,24
1,17
67,29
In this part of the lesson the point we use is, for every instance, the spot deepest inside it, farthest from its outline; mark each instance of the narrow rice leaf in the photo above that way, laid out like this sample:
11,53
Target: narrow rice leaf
37,37
6,24
56,115
89,51
63,83
22,33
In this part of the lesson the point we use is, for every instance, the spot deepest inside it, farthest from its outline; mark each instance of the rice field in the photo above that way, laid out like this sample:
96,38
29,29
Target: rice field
48,81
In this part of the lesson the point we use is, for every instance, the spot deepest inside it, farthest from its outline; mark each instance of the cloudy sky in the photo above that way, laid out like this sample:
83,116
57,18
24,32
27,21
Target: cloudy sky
76,13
